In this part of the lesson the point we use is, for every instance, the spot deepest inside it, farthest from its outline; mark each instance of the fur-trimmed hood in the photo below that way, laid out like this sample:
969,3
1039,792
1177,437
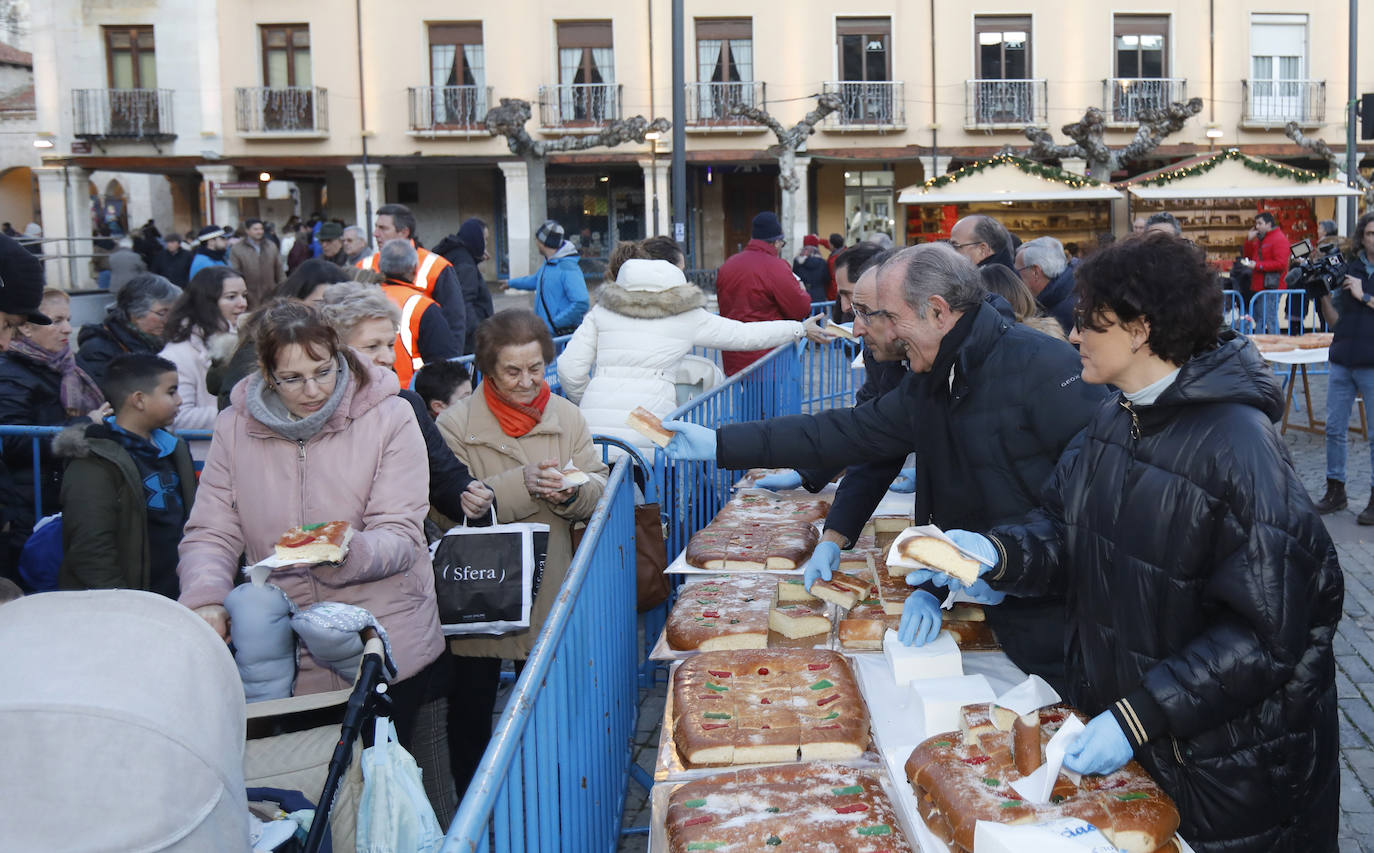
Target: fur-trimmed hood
650,305
72,443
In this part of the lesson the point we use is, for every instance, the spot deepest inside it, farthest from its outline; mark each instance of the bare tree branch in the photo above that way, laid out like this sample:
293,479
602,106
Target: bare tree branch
1157,124
1088,137
509,119
791,139
1338,164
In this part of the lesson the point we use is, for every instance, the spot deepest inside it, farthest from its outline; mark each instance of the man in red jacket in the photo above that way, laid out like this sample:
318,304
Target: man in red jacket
756,284
1266,253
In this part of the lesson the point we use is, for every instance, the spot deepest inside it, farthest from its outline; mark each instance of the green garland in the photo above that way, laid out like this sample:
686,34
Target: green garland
1264,167
1029,167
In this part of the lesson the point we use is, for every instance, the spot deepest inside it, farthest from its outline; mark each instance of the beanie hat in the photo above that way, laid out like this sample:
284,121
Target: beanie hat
21,281
811,240
210,231
331,231
767,227
550,234
470,234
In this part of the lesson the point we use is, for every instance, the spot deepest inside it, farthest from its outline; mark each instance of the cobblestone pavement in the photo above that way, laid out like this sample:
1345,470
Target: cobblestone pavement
1354,646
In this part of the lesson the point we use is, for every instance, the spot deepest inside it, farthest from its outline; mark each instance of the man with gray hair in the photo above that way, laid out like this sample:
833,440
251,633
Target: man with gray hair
982,240
989,408
1046,272
424,334
355,246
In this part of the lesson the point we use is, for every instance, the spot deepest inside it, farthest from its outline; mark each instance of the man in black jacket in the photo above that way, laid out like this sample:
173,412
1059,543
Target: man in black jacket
174,261
989,408
983,240
465,250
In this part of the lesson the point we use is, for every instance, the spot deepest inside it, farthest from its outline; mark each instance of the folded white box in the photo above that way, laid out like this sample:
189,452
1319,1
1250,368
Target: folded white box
941,698
940,658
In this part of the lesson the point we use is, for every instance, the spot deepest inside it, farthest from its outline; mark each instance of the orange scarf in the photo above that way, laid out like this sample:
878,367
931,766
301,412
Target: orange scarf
516,419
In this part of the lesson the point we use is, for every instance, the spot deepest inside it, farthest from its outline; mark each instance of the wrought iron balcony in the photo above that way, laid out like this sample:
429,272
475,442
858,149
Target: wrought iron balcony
133,115
866,106
1274,103
709,105
579,107
449,110
286,111
1125,98
1004,104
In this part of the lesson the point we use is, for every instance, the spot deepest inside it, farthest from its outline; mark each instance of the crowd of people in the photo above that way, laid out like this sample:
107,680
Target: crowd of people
1087,426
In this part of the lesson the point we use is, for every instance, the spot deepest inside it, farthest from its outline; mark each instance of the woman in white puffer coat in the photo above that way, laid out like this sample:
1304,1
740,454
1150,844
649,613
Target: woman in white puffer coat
627,351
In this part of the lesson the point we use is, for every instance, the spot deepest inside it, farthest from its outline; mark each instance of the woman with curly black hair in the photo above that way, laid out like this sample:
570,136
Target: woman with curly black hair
1202,588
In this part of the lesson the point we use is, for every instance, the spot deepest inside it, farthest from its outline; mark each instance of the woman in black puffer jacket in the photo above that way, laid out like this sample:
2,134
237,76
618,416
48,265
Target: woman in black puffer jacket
1203,590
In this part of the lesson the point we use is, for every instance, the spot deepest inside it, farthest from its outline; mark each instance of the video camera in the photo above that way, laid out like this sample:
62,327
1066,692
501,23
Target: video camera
1320,275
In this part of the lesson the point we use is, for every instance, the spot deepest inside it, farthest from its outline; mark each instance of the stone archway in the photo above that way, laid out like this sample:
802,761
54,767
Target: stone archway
19,197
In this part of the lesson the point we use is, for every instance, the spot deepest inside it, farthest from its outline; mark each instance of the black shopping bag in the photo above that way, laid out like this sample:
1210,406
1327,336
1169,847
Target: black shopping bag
486,578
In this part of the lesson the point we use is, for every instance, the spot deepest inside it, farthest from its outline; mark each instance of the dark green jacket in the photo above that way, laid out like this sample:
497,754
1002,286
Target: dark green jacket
104,517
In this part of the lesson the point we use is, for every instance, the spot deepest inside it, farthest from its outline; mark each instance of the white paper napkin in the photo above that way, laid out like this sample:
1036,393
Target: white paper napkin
1029,695
894,554
1038,786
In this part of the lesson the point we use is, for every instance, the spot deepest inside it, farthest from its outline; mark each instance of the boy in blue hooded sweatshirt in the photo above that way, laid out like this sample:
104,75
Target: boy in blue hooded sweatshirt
560,291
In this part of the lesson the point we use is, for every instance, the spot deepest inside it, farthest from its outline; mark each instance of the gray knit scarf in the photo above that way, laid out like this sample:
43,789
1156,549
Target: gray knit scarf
265,405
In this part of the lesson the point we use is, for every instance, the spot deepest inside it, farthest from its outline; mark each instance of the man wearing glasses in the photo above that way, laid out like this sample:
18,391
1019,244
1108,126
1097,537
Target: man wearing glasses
756,284
982,240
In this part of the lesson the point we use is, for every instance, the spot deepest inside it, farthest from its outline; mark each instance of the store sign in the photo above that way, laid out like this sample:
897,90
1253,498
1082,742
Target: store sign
81,147
238,189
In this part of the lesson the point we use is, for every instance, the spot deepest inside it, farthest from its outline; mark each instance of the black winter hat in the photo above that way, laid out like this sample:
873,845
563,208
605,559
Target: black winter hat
767,227
21,282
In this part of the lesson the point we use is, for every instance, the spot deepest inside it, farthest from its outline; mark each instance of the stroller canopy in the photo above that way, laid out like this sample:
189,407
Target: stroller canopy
122,726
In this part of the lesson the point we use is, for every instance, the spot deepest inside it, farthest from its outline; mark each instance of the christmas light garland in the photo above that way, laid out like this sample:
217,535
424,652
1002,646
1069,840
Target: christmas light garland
1263,167
1029,167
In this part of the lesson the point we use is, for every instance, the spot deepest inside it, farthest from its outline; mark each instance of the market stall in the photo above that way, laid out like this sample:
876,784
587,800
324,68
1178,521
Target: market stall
1031,199
1215,198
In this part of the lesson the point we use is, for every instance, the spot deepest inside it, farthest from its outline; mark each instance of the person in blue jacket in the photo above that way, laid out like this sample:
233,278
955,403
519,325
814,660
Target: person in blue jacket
560,291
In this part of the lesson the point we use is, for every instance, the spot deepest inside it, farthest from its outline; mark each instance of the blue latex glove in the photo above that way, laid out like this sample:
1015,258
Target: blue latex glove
693,442
822,565
977,545
920,619
905,482
1101,748
780,482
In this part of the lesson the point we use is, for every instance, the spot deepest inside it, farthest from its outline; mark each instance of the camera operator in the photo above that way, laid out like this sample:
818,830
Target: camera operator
1349,310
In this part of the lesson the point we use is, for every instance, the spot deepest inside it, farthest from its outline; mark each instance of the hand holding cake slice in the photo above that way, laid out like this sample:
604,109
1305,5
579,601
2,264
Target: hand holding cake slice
650,426
326,542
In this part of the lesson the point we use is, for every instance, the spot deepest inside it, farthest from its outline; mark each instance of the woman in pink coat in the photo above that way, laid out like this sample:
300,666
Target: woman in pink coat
317,436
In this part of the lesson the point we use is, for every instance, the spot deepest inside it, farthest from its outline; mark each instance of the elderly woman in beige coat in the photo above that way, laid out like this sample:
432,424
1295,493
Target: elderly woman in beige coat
515,436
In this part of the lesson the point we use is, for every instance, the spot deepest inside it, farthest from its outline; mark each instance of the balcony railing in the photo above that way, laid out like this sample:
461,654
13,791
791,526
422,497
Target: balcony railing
871,105
455,110
282,111
1125,98
574,107
709,104
1004,104
1274,103
123,114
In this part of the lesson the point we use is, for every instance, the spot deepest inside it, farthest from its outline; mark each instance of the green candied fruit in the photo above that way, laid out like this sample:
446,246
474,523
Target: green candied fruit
719,688
852,789
772,809
1057,799
1010,804
705,845
821,685
734,621
876,829
991,782
309,527
943,743
832,715
716,715
693,804
773,841
1135,795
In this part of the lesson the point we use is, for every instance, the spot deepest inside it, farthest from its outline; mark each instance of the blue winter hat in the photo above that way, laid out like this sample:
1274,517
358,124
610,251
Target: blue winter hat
470,235
767,227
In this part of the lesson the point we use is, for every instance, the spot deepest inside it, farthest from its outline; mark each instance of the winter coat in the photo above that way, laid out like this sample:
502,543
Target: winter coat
366,467
98,345
203,260
1017,400
814,275
124,265
175,268
560,290
198,406
104,480
1203,592
476,294
627,350
756,284
29,396
1352,339
448,476
499,460
1058,299
260,268
1270,254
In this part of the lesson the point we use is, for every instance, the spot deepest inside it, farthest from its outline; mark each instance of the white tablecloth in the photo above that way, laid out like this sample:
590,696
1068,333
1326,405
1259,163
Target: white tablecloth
1298,356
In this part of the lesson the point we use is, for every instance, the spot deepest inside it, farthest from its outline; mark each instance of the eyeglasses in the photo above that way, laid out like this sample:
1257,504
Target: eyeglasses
296,384
869,316
958,246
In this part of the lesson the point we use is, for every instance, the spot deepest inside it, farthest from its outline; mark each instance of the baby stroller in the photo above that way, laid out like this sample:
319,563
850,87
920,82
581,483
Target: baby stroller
122,723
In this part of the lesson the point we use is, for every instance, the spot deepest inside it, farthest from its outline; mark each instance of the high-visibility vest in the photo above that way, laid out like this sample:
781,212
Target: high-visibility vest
413,306
431,266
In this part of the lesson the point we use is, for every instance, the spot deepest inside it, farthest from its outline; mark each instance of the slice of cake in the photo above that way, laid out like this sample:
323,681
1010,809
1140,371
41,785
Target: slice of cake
326,542
795,620
937,554
646,423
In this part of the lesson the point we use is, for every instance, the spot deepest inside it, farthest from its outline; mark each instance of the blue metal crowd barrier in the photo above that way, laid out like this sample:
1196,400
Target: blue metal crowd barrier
1290,312
1233,311
555,774
560,343
36,436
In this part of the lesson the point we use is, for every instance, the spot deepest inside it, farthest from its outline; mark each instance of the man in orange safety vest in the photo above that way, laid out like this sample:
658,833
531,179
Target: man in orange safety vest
424,334
434,276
